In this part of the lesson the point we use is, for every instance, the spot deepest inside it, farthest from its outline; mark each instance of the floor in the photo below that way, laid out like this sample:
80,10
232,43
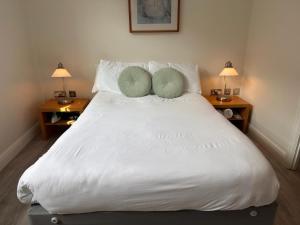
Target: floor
12,212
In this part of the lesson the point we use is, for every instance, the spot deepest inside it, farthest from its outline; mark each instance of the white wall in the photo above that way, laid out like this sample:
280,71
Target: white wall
79,33
19,89
272,69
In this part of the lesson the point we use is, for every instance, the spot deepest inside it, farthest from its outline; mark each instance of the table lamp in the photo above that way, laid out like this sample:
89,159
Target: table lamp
228,71
61,72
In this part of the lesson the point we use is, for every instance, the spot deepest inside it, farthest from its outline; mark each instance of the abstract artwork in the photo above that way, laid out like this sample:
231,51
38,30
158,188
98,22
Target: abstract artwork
154,15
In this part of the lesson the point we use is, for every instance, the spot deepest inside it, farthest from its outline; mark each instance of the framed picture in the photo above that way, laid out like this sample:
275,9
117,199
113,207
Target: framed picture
72,94
154,15
215,92
227,91
60,94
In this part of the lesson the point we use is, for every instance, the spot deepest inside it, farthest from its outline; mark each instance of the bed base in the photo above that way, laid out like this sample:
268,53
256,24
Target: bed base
252,216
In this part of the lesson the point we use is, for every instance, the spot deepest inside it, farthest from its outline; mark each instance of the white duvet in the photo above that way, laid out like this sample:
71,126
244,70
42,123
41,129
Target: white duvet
149,154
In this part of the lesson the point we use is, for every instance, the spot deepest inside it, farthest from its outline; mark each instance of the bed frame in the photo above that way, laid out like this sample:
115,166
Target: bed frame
252,216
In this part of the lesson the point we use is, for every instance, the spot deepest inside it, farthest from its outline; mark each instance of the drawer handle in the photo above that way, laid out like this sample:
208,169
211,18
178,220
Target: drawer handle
54,220
253,213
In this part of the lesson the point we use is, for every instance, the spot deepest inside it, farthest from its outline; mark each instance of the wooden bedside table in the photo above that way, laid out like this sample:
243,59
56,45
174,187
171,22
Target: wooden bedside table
238,106
65,112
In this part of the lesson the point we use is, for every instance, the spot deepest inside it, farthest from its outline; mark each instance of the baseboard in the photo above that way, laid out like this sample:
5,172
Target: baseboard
277,152
13,150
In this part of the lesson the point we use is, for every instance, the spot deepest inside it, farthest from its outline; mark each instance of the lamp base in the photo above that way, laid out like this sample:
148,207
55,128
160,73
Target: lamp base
224,98
64,101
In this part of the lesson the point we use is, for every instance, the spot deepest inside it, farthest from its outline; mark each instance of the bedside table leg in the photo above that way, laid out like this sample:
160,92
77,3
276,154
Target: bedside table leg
246,115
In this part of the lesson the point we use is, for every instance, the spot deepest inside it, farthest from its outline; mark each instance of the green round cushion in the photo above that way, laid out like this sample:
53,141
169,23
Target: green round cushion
134,81
168,83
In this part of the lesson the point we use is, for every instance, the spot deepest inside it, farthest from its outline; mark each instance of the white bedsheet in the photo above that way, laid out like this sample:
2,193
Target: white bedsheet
149,154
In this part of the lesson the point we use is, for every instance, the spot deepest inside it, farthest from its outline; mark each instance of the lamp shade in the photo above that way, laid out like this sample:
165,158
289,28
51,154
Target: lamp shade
229,70
61,71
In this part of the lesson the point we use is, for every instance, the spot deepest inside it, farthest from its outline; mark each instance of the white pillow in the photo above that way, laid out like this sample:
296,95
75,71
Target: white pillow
190,71
108,73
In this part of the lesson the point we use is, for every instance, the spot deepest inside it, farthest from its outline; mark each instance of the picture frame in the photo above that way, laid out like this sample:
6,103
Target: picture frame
227,91
72,94
154,16
215,92
60,94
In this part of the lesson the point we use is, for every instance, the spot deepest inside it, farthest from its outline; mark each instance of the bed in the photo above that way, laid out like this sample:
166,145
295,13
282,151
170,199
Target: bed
149,161
149,154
